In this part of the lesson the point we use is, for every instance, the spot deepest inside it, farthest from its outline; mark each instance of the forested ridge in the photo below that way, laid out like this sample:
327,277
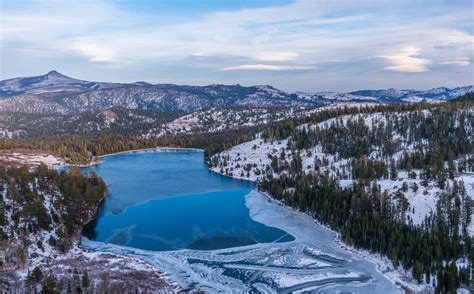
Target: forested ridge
43,211
384,137
284,129
86,124
368,219
432,146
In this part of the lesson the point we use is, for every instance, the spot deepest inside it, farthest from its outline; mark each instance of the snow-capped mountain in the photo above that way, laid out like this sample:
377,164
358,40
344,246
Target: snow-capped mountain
52,82
335,97
57,93
435,94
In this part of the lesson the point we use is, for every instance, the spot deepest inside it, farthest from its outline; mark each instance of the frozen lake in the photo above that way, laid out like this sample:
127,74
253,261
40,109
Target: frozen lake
165,205
169,200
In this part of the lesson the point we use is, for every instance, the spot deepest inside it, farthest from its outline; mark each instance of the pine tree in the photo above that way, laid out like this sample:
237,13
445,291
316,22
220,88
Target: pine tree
85,280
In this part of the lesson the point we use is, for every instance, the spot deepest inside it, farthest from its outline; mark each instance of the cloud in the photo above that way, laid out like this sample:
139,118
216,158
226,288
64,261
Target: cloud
276,56
96,52
404,61
267,67
456,62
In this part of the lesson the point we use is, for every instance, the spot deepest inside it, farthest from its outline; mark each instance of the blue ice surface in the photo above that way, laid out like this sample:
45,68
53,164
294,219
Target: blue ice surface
170,200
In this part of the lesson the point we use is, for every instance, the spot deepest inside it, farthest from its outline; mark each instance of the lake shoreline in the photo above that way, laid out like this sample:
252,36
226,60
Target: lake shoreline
132,151
309,235
269,208
398,276
383,265
154,149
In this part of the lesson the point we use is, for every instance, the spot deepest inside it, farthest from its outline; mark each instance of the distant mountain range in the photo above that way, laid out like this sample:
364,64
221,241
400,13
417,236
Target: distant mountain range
57,93
141,122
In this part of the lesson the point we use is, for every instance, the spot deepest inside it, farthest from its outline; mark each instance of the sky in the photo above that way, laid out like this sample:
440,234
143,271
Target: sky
300,45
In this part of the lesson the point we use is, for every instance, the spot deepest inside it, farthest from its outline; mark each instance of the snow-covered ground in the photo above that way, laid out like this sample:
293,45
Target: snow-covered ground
223,119
7,133
123,273
30,158
249,161
468,179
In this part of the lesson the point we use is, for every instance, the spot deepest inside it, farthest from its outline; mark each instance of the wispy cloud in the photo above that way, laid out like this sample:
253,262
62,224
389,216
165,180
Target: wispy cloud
457,62
96,52
276,56
268,67
405,61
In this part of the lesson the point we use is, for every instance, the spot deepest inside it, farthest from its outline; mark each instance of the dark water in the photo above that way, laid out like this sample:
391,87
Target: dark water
169,200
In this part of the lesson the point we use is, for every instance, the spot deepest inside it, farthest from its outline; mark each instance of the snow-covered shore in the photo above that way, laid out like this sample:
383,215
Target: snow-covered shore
104,266
250,160
303,231
35,158
30,158
314,259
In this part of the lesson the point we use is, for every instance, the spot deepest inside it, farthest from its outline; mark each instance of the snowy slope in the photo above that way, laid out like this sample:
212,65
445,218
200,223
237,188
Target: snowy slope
223,119
252,161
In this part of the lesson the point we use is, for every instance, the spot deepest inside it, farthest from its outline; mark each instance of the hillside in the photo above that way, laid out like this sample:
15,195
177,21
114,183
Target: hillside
216,120
385,178
140,122
57,93
115,119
